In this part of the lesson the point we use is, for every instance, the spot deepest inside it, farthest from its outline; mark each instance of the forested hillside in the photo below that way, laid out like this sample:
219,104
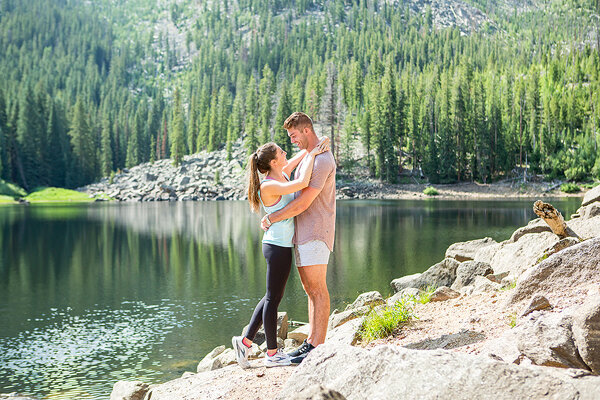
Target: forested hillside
456,90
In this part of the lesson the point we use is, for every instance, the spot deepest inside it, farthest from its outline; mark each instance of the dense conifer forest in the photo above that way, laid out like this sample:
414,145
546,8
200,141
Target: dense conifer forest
87,88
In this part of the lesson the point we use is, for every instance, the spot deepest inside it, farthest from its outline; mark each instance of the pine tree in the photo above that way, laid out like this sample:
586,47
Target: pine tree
28,139
82,143
193,126
284,109
329,105
106,162
177,131
265,103
250,141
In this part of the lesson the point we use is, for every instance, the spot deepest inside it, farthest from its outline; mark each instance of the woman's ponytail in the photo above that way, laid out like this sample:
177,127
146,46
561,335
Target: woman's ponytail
259,161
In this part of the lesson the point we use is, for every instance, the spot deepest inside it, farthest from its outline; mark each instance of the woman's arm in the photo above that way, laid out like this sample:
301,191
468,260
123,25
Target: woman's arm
276,188
293,162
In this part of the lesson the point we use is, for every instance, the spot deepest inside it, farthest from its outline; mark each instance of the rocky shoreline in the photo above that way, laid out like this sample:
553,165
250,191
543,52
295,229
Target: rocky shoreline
514,319
212,176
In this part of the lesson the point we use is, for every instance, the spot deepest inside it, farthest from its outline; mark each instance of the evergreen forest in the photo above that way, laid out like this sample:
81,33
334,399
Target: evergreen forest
89,88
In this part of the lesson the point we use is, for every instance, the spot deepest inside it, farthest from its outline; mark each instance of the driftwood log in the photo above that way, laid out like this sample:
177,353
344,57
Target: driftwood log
553,218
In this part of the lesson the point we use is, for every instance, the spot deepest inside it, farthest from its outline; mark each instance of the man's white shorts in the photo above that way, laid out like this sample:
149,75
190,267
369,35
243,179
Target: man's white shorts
314,252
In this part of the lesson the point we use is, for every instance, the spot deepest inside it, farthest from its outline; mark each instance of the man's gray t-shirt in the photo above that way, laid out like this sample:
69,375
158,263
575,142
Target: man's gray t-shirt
318,221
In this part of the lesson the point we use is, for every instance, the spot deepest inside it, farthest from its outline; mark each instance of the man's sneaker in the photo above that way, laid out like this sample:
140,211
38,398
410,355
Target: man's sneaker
279,359
241,351
298,355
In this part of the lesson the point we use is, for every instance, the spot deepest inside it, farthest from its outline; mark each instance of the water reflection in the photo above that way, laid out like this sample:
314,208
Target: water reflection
96,293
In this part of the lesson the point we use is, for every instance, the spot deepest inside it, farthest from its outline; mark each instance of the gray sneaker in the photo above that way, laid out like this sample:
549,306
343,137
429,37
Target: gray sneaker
241,351
279,359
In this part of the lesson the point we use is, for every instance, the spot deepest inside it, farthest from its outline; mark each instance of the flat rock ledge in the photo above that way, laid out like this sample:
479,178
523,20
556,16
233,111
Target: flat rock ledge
396,372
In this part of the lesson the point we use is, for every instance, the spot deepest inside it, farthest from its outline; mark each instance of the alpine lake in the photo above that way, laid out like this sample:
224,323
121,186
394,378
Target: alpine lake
94,293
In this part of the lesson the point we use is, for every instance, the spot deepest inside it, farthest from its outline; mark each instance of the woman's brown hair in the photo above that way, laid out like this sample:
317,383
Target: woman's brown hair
259,161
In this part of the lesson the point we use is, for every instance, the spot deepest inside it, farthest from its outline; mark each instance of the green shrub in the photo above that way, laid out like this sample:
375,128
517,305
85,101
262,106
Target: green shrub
569,187
12,190
381,322
58,195
513,320
430,191
424,296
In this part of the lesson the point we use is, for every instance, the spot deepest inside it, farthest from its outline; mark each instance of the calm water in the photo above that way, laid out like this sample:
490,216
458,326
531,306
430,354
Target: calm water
96,293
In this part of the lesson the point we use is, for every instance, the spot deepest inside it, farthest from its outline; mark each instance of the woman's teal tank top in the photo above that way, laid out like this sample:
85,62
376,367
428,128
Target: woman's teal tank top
282,232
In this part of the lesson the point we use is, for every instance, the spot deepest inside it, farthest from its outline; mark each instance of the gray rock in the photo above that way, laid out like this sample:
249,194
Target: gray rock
586,332
497,277
591,196
504,347
444,293
373,298
440,274
561,245
468,270
538,302
517,257
129,390
227,358
537,225
210,361
340,318
560,274
392,372
184,181
465,251
317,392
590,211
483,285
345,334
299,334
450,341
547,339
585,228
148,177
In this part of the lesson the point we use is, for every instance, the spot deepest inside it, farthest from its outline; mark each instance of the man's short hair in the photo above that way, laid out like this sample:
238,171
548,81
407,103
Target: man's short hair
298,120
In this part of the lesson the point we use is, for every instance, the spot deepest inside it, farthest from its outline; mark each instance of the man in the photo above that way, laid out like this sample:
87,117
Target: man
314,209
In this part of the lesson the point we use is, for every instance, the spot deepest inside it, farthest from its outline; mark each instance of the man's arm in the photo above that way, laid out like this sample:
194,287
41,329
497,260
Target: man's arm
295,207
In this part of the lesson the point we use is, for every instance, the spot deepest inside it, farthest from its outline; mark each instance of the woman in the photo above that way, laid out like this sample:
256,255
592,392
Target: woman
274,192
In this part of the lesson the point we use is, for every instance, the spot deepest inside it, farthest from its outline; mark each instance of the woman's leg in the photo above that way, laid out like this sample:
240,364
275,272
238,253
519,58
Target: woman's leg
279,264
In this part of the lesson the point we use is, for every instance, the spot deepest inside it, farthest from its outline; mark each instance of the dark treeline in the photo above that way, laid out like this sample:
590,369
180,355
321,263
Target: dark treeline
76,104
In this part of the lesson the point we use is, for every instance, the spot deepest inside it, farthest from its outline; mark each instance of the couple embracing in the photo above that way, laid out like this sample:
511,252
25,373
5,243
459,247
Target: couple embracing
300,217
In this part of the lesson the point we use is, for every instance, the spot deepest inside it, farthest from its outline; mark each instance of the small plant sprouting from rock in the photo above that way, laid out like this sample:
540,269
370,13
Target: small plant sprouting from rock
510,286
217,177
382,321
424,296
513,320
430,191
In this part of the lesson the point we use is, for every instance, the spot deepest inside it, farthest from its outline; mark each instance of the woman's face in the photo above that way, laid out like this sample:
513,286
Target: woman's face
280,160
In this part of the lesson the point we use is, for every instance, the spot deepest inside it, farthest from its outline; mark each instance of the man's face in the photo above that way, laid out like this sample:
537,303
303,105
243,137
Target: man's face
298,137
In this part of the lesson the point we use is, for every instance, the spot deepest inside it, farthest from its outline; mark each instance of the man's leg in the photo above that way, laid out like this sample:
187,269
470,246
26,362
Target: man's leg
314,281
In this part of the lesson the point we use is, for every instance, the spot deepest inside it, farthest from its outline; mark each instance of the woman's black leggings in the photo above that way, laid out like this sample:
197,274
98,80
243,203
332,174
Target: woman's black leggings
279,264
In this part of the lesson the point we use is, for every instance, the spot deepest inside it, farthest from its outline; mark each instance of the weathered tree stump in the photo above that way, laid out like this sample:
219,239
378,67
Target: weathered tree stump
553,218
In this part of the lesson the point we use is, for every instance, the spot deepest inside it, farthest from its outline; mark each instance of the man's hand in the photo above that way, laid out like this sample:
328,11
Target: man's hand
264,224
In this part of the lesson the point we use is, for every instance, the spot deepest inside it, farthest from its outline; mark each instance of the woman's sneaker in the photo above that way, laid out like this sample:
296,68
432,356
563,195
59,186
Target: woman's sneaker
298,355
279,359
241,351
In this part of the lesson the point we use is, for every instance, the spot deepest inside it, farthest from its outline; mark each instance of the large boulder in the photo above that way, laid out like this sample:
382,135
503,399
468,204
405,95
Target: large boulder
440,274
586,332
129,390
300,333
405,294
386,372
517,257
591,196
547,339
468,270
317,392
373,298
560,275
537,225
339,318
585,228
465,251
210,361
